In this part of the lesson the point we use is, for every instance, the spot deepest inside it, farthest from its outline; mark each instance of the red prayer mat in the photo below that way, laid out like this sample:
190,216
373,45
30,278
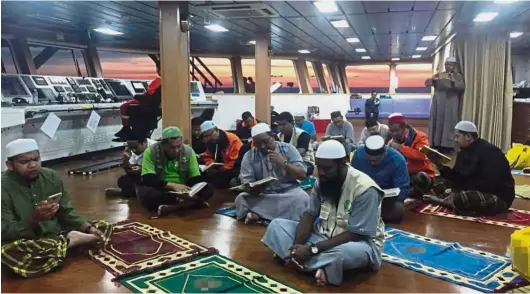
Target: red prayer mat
135,247
515,218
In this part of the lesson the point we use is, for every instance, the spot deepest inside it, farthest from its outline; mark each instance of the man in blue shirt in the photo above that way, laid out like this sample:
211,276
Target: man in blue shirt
388,168
305,125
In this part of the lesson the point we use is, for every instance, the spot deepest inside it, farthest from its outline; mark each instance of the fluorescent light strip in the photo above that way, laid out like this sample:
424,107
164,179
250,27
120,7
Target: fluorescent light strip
416,56
428,38
108,31
304,51
216,28
514,35
340,23
326,6
421,49
360,50
396,59
353,40
252,42
485,16
366,57
504,1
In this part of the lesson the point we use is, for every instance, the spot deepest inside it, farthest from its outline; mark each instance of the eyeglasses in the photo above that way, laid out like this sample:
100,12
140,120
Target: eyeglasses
262,143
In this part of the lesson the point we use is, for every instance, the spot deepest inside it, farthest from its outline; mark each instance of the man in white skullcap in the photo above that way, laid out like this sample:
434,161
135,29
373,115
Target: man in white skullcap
350,231
446,108
36,213
221,147
304,124
480,183
269,158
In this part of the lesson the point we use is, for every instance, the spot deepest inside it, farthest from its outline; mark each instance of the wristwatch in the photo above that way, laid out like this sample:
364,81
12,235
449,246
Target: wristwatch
314,250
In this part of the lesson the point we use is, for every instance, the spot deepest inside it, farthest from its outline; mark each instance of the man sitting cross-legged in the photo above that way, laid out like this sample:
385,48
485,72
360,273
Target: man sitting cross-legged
349,233
37,230
299,138
480,183
269,158
170,166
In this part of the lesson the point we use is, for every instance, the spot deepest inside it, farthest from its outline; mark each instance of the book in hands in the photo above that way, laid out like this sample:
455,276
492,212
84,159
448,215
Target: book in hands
192,192
261,182
389,193
204,168
444,159
338,138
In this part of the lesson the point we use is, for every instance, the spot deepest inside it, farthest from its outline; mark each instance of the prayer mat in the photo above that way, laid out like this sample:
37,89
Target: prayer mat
523,191
231,212
211,274
519,172
452,262
134,247
515,218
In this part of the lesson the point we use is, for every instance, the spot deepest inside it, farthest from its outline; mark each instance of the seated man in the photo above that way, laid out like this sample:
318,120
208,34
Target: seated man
480,183
300,139
349,233
269,158
221,147
197,142
37,230
373,127
132,165
408,141
305,125
170,166
244,126
341,127
388,168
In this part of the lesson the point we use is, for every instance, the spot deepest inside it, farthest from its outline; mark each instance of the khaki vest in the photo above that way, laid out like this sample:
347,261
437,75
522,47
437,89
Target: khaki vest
308,156
159,159
335,221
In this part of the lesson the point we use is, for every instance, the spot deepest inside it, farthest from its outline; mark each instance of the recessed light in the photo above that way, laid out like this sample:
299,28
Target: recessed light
428,38
352,40
485,16
108,31
216,28
360,50
340,23
304,51
421,49
416,56
252,42
326,6
515,34
396,59
365,57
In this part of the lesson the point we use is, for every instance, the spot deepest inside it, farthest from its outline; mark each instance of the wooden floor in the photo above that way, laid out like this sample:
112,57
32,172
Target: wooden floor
242,243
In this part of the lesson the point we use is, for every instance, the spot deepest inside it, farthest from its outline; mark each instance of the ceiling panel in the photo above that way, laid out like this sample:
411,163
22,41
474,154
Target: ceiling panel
419,21
439,20
425,5
389,23
360,24
283,8
306,8
351,7
451,5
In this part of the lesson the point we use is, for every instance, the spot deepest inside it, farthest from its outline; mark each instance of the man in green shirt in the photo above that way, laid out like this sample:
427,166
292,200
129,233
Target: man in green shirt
39,223
171,166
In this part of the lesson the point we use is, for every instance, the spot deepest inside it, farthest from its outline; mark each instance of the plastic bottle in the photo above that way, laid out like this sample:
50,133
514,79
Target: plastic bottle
35,96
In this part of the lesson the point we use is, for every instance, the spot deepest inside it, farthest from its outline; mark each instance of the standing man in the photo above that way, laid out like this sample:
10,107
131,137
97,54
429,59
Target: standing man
446,108
373,127
341,127
305,125
480,183
300,139
371,106
349,233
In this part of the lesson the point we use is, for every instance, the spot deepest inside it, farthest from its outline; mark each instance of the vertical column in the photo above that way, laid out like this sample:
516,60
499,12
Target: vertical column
335,76
319,73
22,54
343,78
393,79
262,99
92,61
237,74
175,66
303,75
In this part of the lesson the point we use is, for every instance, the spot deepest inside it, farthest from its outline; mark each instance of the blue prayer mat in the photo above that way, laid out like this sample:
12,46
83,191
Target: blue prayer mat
231,212
452,262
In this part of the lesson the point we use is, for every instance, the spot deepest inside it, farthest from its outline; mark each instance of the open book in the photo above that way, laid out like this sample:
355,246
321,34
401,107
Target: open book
261,182
338,138
444,158
204,168
192,193
394,192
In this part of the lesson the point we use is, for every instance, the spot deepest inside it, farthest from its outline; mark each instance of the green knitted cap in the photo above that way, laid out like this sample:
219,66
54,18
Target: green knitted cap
171,132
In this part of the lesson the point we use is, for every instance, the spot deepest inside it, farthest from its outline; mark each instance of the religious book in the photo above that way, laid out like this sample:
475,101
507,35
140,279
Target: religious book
338,138
262,182
204,168
444,158
389,193
192,192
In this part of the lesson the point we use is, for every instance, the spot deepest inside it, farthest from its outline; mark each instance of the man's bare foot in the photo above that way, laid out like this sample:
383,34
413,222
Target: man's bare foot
251,218
77,239
113,192
431,199
321,278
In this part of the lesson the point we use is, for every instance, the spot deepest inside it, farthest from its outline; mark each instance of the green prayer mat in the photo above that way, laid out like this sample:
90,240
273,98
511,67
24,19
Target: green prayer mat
211,274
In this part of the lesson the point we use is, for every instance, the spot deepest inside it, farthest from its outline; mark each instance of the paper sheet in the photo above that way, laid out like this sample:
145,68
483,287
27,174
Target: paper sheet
93,121
50,125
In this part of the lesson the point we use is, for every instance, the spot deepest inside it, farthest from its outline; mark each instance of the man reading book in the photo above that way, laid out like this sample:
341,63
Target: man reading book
297,137
341,127
480,183
269,158
170,166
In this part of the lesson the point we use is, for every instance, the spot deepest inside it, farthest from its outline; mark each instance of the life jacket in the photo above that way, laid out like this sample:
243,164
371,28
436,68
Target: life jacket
309,155
159,158
519,156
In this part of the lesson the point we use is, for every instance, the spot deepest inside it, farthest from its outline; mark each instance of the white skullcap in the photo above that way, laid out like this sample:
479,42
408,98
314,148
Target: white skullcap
466,126
20,146
375,142
207,125
451,59
330,149
299,113
259,129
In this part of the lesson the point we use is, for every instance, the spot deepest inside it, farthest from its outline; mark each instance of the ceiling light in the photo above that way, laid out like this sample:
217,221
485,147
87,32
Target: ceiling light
428,38
304,51
416,56
504,1
515,34
340,23
365,57
360,50
326,6
216,28
485,16
108,31
253,42
421,49
353,40
396,59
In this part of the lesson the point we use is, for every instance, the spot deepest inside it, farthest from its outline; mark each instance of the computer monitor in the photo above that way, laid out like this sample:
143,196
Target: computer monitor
12,87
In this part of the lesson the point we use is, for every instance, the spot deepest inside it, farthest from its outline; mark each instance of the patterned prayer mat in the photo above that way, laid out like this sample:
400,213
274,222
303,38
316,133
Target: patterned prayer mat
452,262
134,247
231,212
211,274
523,191
515,218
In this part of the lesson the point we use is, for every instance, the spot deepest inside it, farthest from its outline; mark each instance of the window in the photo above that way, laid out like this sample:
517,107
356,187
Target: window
282,71
8,61
221,70
56,61
124,65
368,78
411,78
327,76
313,77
